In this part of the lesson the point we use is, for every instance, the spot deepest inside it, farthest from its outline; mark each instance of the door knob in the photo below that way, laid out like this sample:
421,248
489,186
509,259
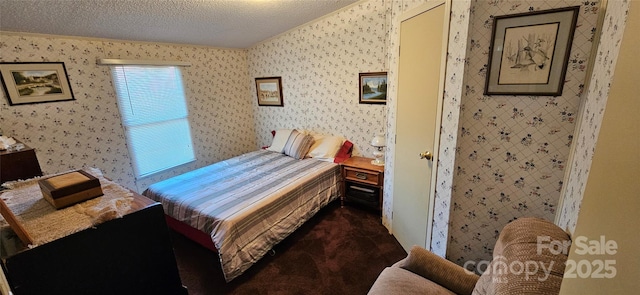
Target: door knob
426,155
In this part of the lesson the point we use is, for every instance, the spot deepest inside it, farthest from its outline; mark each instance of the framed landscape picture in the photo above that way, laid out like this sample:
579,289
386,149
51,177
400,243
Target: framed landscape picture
530,52
35,82
269,91
373,88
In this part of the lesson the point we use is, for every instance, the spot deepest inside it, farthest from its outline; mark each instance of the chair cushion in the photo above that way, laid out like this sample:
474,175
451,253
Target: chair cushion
395,280
439,270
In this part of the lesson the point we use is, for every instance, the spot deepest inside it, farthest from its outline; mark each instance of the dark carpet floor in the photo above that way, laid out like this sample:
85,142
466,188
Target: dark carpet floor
338,251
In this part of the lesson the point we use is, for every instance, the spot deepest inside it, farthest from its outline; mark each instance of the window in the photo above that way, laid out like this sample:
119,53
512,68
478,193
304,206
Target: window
154,115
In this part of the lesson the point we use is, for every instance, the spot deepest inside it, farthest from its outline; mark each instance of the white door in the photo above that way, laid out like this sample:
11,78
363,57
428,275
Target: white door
423,38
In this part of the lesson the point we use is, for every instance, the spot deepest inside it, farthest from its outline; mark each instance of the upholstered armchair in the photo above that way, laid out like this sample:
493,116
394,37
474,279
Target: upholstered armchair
524,262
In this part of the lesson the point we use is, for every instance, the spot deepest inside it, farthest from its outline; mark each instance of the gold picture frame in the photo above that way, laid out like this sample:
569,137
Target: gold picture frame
35,82
269,91
529,52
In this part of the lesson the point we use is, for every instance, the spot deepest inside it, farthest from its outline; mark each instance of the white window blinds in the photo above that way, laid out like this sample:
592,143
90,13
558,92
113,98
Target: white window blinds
154,114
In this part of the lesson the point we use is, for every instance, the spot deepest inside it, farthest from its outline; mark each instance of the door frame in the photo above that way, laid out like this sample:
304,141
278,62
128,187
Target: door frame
443,62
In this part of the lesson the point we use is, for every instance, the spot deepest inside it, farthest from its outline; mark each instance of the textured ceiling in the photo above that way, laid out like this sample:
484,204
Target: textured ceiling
219,23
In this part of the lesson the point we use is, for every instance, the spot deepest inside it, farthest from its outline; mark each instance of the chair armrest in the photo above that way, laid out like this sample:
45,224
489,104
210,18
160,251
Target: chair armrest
440,271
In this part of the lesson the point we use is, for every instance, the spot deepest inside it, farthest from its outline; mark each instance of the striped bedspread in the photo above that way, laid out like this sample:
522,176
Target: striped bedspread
248,203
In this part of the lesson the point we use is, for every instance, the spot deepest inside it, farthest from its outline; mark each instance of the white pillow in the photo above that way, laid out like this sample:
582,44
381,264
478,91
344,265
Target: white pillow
279,140
325,147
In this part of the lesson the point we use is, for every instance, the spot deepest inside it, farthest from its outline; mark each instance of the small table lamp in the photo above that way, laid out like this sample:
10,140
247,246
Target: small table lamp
378,142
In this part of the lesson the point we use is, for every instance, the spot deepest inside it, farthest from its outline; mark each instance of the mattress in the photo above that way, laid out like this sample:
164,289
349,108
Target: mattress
248,203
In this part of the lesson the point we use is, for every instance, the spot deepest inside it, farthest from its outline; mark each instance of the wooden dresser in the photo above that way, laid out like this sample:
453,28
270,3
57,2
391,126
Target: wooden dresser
128,255
21,164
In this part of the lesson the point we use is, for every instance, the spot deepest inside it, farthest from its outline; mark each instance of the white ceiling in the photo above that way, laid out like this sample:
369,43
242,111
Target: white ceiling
219,23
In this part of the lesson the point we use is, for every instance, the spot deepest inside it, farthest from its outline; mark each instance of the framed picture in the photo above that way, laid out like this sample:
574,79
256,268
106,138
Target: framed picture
35,82
269,91
530,52
373,87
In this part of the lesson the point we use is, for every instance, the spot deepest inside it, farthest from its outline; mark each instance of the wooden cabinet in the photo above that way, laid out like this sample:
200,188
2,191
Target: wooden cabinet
128,255
21,164
363,182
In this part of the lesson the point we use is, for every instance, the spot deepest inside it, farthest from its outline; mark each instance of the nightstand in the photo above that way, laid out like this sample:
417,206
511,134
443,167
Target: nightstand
363,182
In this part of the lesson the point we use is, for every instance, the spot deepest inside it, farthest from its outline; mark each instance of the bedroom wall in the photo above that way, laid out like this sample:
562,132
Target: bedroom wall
87,132
319,64
610,204
512,151
592,113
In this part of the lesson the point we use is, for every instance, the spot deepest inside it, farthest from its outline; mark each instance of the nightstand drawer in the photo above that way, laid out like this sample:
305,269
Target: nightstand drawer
363,194
363,176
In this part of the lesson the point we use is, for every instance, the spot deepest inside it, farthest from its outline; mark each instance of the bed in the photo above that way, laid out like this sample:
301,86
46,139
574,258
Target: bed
248,203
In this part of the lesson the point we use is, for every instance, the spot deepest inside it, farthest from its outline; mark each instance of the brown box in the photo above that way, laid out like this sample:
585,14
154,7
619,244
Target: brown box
70,188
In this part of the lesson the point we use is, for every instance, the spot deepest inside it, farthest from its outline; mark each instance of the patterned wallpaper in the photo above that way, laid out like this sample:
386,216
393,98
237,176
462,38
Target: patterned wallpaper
593,111
87,132
512,150
319,65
